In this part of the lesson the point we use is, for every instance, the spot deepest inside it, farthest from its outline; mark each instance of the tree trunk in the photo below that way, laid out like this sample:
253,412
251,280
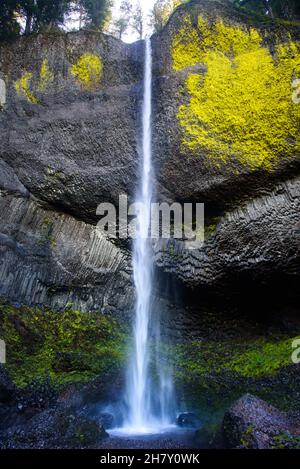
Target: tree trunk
268,8
28,24
80,16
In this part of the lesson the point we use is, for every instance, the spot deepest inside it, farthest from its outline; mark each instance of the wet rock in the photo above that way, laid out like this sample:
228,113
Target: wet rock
51,258
39,395
106,387
86,397
70,397
106,420
188,420
54,428
253,423
209,436
7,388
78,148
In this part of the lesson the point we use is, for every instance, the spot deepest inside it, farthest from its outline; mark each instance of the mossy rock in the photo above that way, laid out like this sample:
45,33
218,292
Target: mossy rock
61,347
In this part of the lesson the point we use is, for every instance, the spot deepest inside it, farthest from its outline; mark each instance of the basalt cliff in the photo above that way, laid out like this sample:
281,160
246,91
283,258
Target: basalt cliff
225,133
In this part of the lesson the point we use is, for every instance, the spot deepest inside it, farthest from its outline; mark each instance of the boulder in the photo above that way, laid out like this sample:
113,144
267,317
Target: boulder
7,388
54,428
106,420
188,420
209,436
253,423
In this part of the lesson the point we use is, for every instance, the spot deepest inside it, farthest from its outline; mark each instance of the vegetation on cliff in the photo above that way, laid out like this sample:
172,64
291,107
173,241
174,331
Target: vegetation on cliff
241,106
212,373
67,347
88,70
288,9
22,86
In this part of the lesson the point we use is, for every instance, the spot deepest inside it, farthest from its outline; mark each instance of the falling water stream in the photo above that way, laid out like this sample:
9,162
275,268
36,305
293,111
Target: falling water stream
147,401
139,398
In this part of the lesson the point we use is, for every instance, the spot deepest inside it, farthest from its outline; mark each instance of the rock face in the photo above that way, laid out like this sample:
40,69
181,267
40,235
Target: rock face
190,168
71,144
7,388
252,423
260,238
54,428
52,258
70,139
65,148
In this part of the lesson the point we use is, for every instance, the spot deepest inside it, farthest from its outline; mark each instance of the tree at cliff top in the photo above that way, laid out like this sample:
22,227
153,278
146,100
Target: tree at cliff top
137,20
132,17
40,15
94,13
286,9
161,12
9,26
120,25
43,15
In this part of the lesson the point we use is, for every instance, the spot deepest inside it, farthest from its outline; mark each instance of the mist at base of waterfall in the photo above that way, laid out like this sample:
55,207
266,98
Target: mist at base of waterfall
157,429
170,437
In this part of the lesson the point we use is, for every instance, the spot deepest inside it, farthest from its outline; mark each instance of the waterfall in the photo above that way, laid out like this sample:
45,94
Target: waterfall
147,403
139,398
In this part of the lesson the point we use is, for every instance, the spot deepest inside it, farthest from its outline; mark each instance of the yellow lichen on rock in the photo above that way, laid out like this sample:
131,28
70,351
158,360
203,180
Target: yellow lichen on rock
22,87
186,46
228,39
46,76
191,43
242,107
88,71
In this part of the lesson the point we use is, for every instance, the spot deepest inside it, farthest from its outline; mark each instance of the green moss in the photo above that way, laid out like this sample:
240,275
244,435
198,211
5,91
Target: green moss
262,358
88,71
211,226
241,108
246,439
284,441
67,346
211,374
253,358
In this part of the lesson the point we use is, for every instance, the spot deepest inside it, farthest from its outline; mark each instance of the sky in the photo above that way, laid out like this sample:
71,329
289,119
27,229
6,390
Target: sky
130,36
